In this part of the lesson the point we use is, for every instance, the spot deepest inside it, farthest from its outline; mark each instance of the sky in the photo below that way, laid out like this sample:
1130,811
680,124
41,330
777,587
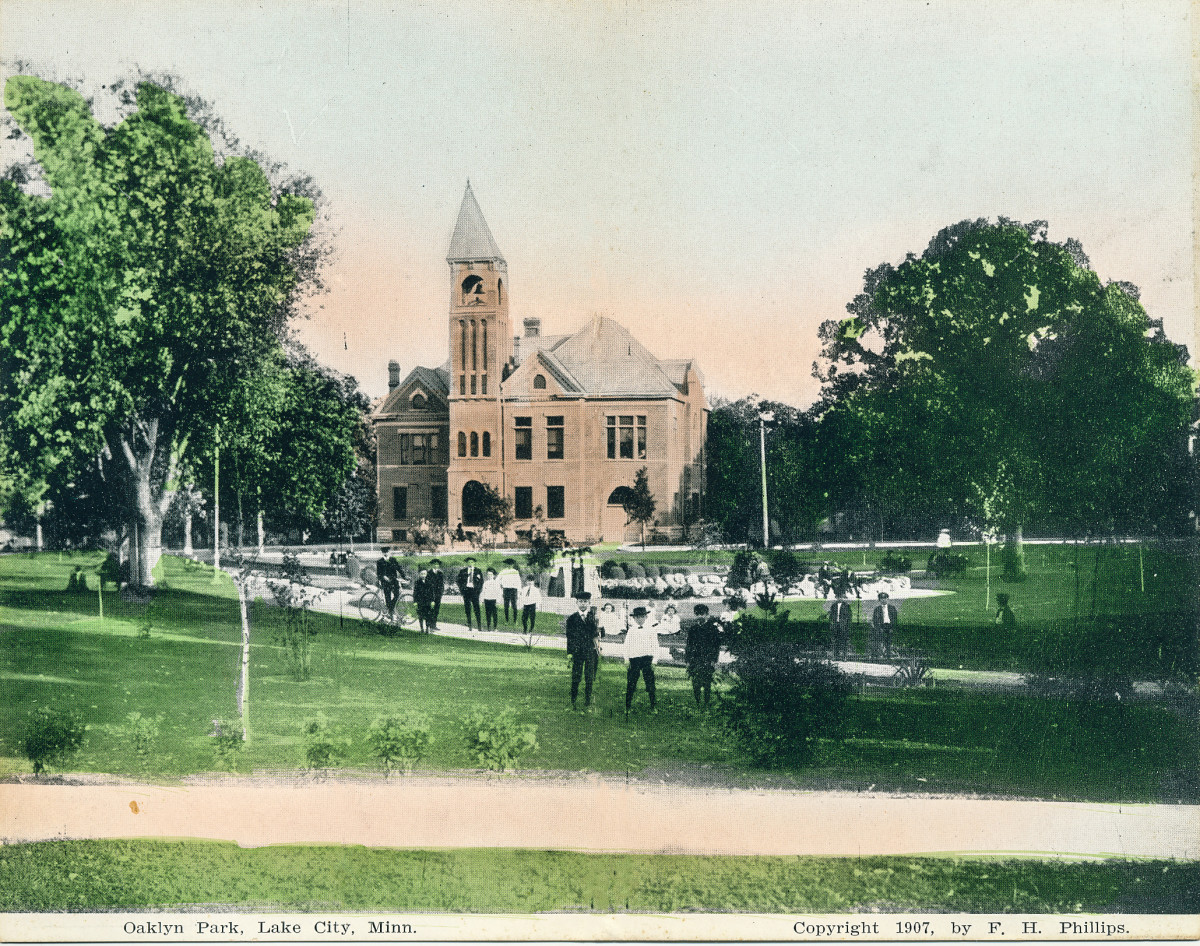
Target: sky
715,176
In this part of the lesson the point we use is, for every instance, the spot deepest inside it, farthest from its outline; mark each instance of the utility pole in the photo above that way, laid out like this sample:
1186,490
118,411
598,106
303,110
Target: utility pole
763,419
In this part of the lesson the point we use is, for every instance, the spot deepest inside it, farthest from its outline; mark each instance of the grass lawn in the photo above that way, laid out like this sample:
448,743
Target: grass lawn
91,875
55,650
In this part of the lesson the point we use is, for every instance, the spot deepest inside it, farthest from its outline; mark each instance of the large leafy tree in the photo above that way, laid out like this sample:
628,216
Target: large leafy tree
137,297
996,378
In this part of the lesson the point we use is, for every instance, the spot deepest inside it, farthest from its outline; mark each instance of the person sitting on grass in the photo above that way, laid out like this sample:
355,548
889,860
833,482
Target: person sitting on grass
77,581
641,653
528,600
1004,616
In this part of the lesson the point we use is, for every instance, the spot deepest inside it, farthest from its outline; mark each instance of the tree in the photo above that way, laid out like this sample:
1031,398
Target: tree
138,295
639,503
495,511
995,379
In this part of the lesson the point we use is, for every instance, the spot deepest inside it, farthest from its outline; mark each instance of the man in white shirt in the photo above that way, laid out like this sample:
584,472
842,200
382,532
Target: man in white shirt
529,599
510,585
641,653
490,595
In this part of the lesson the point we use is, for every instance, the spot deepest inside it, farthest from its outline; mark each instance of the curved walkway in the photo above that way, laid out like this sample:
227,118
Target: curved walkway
593,814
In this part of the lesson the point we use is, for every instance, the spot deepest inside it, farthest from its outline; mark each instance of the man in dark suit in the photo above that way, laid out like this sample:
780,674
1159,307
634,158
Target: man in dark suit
583,647
883,622
437,584
839,628
470,583
701,652
423,599
387,573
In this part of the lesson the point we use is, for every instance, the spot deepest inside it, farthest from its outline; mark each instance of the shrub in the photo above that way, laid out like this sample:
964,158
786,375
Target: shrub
611,571
744,570
635,570
321,749
944,564
497,740
786,567
141,732
51,736
782,703
399,740
227,743
895,564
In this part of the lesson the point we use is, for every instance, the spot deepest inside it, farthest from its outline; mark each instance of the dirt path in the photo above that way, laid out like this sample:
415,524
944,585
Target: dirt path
592,815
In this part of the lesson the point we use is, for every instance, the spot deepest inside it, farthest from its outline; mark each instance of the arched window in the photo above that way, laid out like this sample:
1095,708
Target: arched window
539,382
487,444
472,291
462,444
474,444
418,402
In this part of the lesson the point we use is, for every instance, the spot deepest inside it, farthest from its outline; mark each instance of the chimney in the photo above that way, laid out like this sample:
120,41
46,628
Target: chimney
393,375
533,328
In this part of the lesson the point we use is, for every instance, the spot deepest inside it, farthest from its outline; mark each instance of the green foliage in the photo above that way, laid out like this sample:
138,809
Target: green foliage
995,378
497,740
540,555
639,503
151,284
399,740
295,625
786,567
51,737
895,563
141,734
321,748
945,564
782,702
228,745
744,570
610,570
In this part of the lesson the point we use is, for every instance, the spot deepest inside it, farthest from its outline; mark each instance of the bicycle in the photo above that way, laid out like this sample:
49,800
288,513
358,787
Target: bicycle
372,609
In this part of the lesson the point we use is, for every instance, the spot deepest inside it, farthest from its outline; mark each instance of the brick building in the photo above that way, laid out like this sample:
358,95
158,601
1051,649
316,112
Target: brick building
558,423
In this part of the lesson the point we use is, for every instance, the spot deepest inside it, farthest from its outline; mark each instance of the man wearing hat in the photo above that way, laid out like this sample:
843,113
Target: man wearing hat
641,653
883,621
510,584
437,587
387,573
839,627
583,647
470,583
701,652
423,599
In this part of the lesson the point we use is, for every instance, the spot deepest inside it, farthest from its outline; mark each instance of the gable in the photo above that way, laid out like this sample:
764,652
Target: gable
421,383
523,382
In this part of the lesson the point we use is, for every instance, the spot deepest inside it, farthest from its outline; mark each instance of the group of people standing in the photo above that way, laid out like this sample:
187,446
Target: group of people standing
883,624
585,628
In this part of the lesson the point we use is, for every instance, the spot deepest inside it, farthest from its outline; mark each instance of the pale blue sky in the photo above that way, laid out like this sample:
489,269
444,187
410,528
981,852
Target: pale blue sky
717,176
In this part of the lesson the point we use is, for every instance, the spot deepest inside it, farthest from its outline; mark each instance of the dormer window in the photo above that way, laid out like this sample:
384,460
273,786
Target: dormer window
539,382
419,402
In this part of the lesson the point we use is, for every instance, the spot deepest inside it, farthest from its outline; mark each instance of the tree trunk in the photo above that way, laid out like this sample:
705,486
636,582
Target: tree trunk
146,547
187,533
261,532
241,524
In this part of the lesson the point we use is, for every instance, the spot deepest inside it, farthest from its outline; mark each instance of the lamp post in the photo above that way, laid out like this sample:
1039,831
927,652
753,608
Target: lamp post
764,418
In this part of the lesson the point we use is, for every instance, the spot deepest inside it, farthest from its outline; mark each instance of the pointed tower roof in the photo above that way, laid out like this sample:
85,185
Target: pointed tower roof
472,240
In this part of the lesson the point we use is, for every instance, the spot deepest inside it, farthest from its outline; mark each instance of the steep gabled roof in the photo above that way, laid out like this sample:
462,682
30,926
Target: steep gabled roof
472,240
605,359
433,380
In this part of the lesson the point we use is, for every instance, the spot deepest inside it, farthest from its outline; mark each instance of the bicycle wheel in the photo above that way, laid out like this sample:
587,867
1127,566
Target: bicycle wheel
370,607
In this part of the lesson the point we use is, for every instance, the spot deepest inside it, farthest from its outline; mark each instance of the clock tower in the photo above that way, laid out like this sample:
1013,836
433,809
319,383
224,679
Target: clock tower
480,348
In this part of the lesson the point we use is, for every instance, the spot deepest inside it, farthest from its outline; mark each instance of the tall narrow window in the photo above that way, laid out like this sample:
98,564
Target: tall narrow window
523,502
485,345
462,384
483,384
487,444
499,292
418,449
554,437
474,345
474,444
472,384
399,502
435,452
641,436
462,444
556,506
437,501
405,449
462,339
523,438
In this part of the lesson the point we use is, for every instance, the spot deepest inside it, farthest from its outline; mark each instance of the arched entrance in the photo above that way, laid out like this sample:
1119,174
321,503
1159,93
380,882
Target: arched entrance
472,503
614,525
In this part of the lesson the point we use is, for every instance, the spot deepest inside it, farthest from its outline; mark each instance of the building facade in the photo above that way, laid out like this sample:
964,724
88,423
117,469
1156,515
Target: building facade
559,425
